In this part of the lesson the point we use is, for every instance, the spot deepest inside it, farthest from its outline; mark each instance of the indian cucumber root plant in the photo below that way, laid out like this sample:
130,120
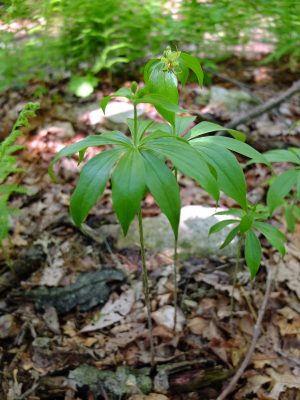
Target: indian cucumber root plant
136,165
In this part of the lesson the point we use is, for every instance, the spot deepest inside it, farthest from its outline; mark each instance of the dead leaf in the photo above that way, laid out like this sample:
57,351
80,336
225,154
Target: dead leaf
113,311
281,382
197,325
151,396
254,384
289,322
51,318
165,316
289,273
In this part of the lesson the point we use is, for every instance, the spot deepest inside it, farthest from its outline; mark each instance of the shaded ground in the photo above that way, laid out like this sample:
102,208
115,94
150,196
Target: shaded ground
41,345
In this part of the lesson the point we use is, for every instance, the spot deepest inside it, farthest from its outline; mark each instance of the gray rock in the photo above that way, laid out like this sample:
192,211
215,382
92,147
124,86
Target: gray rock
230,100
195,223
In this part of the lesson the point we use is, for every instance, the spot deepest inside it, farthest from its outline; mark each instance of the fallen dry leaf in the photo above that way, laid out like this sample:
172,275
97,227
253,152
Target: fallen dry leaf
197,325
165,316
289,273
281,382
254,384
113,311
151,396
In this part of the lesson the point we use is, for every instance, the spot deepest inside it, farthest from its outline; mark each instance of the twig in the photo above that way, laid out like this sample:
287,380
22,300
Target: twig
257,329
268,105
31,390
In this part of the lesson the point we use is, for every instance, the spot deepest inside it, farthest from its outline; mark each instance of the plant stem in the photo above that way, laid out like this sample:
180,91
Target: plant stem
175,270
135,131
237,265
146,285
175,282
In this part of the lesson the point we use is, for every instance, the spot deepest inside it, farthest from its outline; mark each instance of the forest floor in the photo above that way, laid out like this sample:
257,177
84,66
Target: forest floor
56,344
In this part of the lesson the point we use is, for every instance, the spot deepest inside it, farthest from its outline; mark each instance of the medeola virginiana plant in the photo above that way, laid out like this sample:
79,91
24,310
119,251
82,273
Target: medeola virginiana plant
136,165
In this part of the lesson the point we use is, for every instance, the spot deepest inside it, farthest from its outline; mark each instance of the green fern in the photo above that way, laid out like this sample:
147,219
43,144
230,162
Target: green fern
8,166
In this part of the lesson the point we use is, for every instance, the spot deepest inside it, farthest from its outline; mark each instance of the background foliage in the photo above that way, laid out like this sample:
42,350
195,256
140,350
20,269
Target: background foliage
63,36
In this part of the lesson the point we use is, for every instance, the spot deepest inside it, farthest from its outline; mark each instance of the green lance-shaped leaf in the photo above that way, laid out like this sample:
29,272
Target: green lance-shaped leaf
252,252
231,235
182,124
280,188
231,179
237,212
289,217
122,92
164,188
282,156
182,72
207,127
193,64
185,158
164,83
113,137
273,235
91,184
296,212
128,187
233,145
160,102
298,185
217,227
296,151
148,68
246,223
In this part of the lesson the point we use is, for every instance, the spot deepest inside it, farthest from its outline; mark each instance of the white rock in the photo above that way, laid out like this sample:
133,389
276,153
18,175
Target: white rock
195,223
116,114
231,99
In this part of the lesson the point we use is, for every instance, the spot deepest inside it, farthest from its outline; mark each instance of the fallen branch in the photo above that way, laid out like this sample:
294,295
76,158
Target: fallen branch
268,105
256,333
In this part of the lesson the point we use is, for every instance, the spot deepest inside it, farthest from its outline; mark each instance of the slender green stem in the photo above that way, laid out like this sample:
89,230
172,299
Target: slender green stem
135,132
175,281
146,285
237,265
175,270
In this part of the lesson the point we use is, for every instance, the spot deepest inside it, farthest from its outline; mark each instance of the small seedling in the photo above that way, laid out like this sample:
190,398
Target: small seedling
247,225
285,188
